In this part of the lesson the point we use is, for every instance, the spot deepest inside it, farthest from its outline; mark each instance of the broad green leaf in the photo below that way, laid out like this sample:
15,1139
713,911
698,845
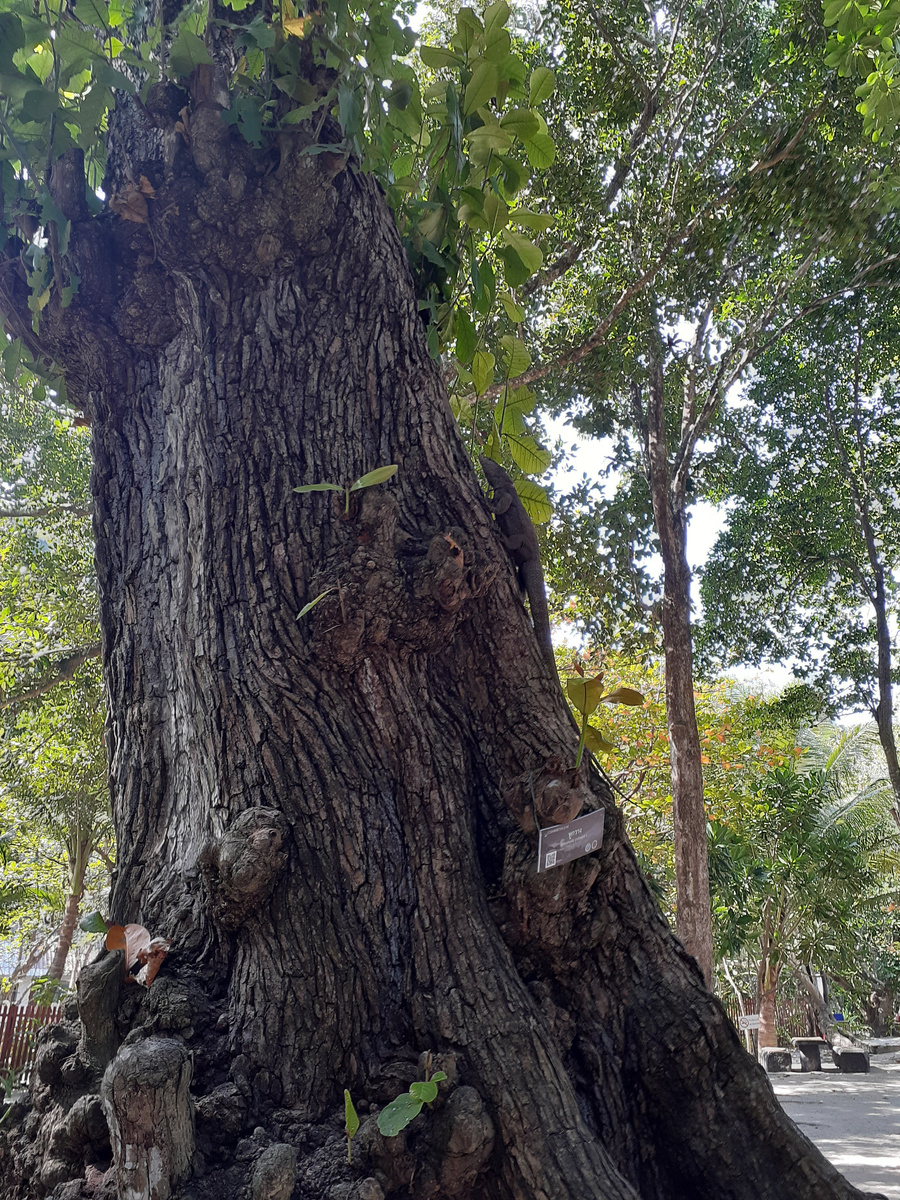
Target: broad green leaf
522,122
351,1119
487,140
483,371
93,12
515,356
585,694
188,52
481,87
514,311
466,336
536,500
379,475
514,270
39,103
468,27
624,695
496,49
437,57
528,252
395,1117
541,151
528,455
319,487
496,15
93,923
541,86
532,220
595,741
496,213
424,1090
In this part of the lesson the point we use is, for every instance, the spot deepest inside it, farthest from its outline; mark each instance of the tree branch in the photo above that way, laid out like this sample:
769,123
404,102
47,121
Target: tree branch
46,510
65,670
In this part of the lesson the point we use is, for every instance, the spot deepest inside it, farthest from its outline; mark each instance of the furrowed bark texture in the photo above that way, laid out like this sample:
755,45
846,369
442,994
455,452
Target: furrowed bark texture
320,812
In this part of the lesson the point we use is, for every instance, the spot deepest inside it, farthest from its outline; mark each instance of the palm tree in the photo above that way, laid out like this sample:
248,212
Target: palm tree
797,861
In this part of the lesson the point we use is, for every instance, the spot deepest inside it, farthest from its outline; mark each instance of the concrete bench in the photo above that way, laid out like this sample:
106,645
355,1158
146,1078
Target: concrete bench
810,1051
775,1059
850,1060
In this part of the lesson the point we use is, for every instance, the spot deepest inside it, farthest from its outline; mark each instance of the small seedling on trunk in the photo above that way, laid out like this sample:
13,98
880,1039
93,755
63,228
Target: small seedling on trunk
351,1123
586,695
379,475
395,1117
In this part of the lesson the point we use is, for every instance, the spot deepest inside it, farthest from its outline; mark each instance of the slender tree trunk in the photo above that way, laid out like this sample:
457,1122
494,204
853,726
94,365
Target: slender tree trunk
330,817
884,711
694,912
66,933
768,1033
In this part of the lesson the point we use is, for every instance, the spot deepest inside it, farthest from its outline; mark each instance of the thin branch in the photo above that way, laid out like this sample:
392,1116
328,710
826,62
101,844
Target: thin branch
65,670
47,510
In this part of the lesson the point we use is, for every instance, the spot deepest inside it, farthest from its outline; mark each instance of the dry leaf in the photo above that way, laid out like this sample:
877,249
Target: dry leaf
152,957
183,126
133,939
130,204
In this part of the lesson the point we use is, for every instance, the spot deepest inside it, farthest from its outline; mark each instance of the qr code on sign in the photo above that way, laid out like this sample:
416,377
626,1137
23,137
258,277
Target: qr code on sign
550,859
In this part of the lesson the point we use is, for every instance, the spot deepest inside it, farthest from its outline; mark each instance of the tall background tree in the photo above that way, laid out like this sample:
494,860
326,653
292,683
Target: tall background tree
807,569
331,818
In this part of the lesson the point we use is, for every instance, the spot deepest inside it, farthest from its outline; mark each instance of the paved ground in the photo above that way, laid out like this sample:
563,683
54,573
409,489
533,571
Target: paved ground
853,1119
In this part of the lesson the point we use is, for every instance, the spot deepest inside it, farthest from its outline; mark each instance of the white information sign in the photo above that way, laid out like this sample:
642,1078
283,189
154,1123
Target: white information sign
750,1021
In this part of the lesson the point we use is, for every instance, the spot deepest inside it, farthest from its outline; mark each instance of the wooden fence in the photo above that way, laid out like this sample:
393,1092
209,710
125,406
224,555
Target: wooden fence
19,1024
792,1015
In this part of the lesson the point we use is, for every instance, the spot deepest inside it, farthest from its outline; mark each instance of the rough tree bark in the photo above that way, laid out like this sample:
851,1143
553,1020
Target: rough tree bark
328,816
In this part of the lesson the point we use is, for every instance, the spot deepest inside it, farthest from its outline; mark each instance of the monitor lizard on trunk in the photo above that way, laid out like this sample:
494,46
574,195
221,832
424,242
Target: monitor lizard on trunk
521,542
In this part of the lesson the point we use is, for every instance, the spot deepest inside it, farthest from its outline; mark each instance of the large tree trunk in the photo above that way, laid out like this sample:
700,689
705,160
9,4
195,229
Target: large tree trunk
330,816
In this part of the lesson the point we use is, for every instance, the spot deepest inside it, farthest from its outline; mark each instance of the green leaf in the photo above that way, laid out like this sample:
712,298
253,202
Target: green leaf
541,151
481,87
39,103
351,1119
532,220
536,500
496,213
541,86
482,371
585,693
528,252
522,122
319,487
515,356
93,923
395,1117
437,57
424,1090
495,16
379,475
514,311
487,140
468,27
514,270
466,336
595,741
527,454
188,52
624,695
312,604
